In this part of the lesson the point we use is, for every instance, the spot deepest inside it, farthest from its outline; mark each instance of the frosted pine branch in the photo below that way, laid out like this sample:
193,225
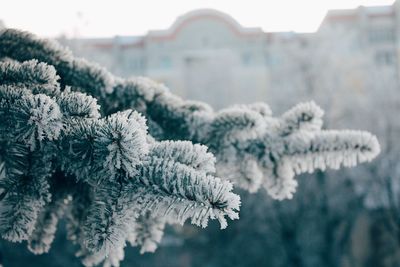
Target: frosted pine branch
125,146
46,225
39,77
289,145
113,166
304,116
147,232
190,193
227,132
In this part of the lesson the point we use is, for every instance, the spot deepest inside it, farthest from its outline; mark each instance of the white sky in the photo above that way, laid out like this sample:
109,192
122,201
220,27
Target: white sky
97,18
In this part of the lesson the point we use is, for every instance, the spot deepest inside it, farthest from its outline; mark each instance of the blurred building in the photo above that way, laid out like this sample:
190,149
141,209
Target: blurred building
377,29
207,55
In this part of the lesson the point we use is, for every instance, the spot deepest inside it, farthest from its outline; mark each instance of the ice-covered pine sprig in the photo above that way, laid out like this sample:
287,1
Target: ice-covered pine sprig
60,157
269,151
27,122
252,148
52,132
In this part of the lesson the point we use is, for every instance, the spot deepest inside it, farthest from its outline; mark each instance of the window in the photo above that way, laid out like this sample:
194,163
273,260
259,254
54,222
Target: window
205,41
385,57
247,58
381,35
135,64
165,62
271,59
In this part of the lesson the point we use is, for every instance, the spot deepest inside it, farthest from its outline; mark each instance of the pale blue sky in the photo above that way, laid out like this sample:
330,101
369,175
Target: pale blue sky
97,18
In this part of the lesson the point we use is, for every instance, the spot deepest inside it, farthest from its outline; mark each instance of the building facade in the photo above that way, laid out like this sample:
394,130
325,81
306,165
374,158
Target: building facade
207,55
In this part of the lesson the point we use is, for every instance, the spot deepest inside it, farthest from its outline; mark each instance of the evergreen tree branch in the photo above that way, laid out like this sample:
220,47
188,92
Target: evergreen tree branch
171,117
125,180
